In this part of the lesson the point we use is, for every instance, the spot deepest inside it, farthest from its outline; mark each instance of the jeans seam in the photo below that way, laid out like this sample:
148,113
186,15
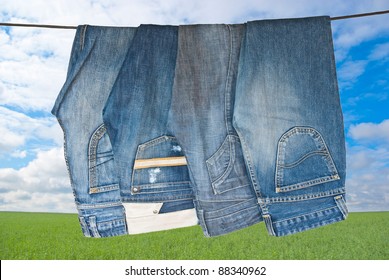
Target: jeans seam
66,157
341,204
303,197
307,214
98,205
247,158
311,226
92,155
227,89
82,39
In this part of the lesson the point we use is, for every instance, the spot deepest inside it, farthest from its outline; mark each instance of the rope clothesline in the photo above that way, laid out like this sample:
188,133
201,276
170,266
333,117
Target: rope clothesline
75,27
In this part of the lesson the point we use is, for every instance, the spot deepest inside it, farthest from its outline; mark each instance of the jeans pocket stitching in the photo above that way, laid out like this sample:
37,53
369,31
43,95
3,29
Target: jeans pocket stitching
140,154
92,161
231,154
322,151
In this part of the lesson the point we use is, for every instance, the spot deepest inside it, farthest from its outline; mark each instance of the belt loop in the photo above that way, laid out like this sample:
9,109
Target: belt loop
269,224
267,218
93,226
203,223
341,205
84,227
82,39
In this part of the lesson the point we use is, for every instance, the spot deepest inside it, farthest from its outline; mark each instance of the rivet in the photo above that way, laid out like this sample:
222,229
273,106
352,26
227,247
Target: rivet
155,211
135,189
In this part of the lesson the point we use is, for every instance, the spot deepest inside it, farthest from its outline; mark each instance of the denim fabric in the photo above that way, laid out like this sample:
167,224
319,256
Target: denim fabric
136,116
182,82
201,120
242,120
289,120
96,59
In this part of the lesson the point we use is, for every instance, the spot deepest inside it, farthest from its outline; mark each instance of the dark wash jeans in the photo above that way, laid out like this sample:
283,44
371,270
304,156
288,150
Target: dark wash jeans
244,119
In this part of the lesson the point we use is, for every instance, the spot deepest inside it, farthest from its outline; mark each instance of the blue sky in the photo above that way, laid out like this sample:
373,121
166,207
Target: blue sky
33,64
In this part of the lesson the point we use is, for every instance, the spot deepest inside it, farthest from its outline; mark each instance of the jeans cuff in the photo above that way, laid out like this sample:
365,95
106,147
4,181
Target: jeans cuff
103,221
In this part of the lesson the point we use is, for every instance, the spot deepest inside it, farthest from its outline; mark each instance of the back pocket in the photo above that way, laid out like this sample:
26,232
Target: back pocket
102,176
303,160
160,172
226,167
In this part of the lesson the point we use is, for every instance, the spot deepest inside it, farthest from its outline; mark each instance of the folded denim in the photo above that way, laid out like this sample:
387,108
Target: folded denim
95,62
245,119
289,120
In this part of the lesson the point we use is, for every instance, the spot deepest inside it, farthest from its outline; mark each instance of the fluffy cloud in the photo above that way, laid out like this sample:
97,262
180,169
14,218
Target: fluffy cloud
381,51
350,71
371,132
43,185
31,70
368,178
18,128
368,166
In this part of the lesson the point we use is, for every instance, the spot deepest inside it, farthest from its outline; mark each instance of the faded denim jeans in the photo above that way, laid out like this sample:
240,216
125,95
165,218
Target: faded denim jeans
96,59
255,111
174,98
244,120
289,120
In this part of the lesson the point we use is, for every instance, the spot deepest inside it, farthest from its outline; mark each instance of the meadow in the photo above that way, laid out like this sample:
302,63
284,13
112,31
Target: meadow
50,236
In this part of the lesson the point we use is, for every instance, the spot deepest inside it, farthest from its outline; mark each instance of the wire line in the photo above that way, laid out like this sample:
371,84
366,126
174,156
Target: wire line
38,25
361,15
75,27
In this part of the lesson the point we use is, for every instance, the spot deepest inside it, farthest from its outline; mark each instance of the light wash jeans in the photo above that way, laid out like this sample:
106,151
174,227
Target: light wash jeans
289,120
96,59
176,90
244,119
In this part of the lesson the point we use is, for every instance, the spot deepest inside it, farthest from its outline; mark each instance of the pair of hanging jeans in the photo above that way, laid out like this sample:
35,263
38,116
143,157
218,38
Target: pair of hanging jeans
255,110
95,62
289,120
176,90
243,119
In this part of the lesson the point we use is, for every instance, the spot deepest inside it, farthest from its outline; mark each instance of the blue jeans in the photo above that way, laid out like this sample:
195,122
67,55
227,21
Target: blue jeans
289,120
176,89
243,120
96,59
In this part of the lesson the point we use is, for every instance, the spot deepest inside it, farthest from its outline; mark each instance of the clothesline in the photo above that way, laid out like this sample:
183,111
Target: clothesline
74,27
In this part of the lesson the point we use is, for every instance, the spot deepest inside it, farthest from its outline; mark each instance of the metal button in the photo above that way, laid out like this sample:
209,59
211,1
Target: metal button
135,189
155,211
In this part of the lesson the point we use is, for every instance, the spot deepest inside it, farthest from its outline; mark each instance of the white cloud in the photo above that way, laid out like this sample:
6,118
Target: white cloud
37,202
32,69
372,132
367,181
377,97
43,185
19,154
350,71
18,128
46,172
368,166
381,51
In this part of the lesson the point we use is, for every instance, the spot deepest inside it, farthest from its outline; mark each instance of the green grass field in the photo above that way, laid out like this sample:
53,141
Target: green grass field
58,236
